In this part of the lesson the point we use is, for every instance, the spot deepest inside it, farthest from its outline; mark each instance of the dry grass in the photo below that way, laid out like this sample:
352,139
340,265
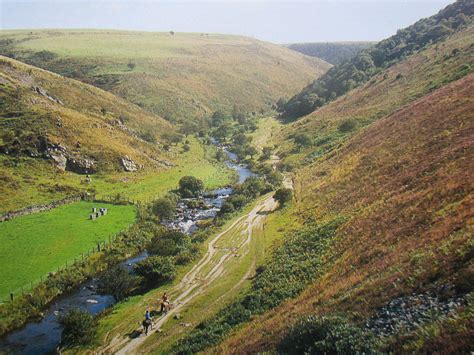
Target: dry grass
409,195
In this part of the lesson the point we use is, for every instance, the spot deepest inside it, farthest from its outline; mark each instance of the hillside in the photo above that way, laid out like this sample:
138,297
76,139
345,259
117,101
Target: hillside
332,52
180,76
55,130
367,63
404,187
381,220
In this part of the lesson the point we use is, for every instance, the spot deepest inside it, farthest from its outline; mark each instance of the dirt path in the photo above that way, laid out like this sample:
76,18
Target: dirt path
198,279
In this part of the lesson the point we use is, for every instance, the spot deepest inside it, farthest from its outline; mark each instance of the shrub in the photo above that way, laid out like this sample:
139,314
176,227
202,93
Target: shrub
156,269
274,178
327,335
169,243
79,327
117,282
189,186
348,125
283,195
147,136
164,208
302,139
226,207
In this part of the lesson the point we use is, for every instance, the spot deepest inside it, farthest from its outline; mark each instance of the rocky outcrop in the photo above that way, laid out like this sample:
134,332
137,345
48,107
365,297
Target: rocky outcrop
58,154
43,92
128,164
81,165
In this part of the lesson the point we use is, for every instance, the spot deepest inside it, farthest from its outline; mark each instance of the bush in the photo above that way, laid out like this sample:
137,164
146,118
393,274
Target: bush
347,126
302,139
79,327
156,269
169,243
189,186
164,207
117,282
327,335
226,208
283,195
274,178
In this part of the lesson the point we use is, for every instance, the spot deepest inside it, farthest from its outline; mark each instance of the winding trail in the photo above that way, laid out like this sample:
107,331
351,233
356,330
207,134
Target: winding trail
208,269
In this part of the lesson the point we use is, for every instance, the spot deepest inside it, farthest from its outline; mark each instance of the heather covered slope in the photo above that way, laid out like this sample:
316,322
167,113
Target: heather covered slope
402,83
404,186
180,76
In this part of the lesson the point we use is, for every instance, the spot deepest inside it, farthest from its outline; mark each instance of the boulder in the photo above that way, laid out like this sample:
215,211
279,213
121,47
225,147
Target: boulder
80,165
128,164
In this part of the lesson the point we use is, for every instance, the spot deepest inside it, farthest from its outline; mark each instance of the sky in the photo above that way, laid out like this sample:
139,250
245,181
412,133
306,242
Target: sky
278,21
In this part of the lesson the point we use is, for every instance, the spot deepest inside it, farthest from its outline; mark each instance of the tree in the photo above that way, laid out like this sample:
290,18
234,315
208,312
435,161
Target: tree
274,178
221,155
189,186
156,269
79,327
218,118
266,153
117,282
239,115
169,243
164,208
302,139
226,207
240,139
283,195
249,150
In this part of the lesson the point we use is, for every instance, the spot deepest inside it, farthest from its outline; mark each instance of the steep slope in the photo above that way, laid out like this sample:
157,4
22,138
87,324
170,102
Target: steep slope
181,76
404,187
421,73
332,52
364,65
54,130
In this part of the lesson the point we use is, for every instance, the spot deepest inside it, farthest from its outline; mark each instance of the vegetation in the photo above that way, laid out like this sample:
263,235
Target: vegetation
283,195
189,186
363,65
334,53
79,327
327,335
294,264
164,207
117,282
43,242
156,269
207,73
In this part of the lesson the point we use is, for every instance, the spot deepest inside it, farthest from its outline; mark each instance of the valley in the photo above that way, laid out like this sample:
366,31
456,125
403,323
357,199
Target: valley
282,203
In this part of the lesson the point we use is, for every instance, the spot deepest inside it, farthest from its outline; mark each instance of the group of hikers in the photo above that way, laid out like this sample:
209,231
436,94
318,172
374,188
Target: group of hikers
165,306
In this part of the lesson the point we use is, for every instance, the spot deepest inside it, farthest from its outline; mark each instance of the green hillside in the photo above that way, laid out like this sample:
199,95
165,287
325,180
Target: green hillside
55,130
180,76
360,68
332,52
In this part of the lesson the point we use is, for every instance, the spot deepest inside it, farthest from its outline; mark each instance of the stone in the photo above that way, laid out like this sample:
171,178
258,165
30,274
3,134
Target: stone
128,164
80,165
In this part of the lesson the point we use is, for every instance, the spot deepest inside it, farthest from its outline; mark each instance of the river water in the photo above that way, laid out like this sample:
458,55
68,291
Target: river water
44,336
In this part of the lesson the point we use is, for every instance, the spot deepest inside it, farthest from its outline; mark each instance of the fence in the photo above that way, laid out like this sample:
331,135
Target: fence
100,246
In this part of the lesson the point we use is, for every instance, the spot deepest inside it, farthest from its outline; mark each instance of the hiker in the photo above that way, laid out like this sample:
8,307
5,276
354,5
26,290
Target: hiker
165,303
147,322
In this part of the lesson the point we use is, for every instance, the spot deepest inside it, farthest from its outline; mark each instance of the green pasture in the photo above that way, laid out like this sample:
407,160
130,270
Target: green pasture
32,246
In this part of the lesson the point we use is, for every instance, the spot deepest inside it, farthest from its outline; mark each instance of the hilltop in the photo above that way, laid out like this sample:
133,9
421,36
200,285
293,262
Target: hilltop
180,76
332,52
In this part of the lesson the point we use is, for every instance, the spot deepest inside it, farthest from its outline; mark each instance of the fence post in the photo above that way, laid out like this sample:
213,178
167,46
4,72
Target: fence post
11,296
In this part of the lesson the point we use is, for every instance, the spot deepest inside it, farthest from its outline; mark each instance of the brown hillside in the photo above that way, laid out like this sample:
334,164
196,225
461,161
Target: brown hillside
405,183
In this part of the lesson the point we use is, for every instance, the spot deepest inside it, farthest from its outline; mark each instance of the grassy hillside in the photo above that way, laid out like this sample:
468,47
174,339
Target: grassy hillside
54,129
332,52
179,76
404,187
367,63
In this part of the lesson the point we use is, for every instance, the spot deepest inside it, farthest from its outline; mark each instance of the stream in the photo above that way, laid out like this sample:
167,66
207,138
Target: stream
44,336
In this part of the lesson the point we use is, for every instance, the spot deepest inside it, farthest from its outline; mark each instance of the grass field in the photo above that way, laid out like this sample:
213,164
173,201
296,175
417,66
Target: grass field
182,77
31,246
